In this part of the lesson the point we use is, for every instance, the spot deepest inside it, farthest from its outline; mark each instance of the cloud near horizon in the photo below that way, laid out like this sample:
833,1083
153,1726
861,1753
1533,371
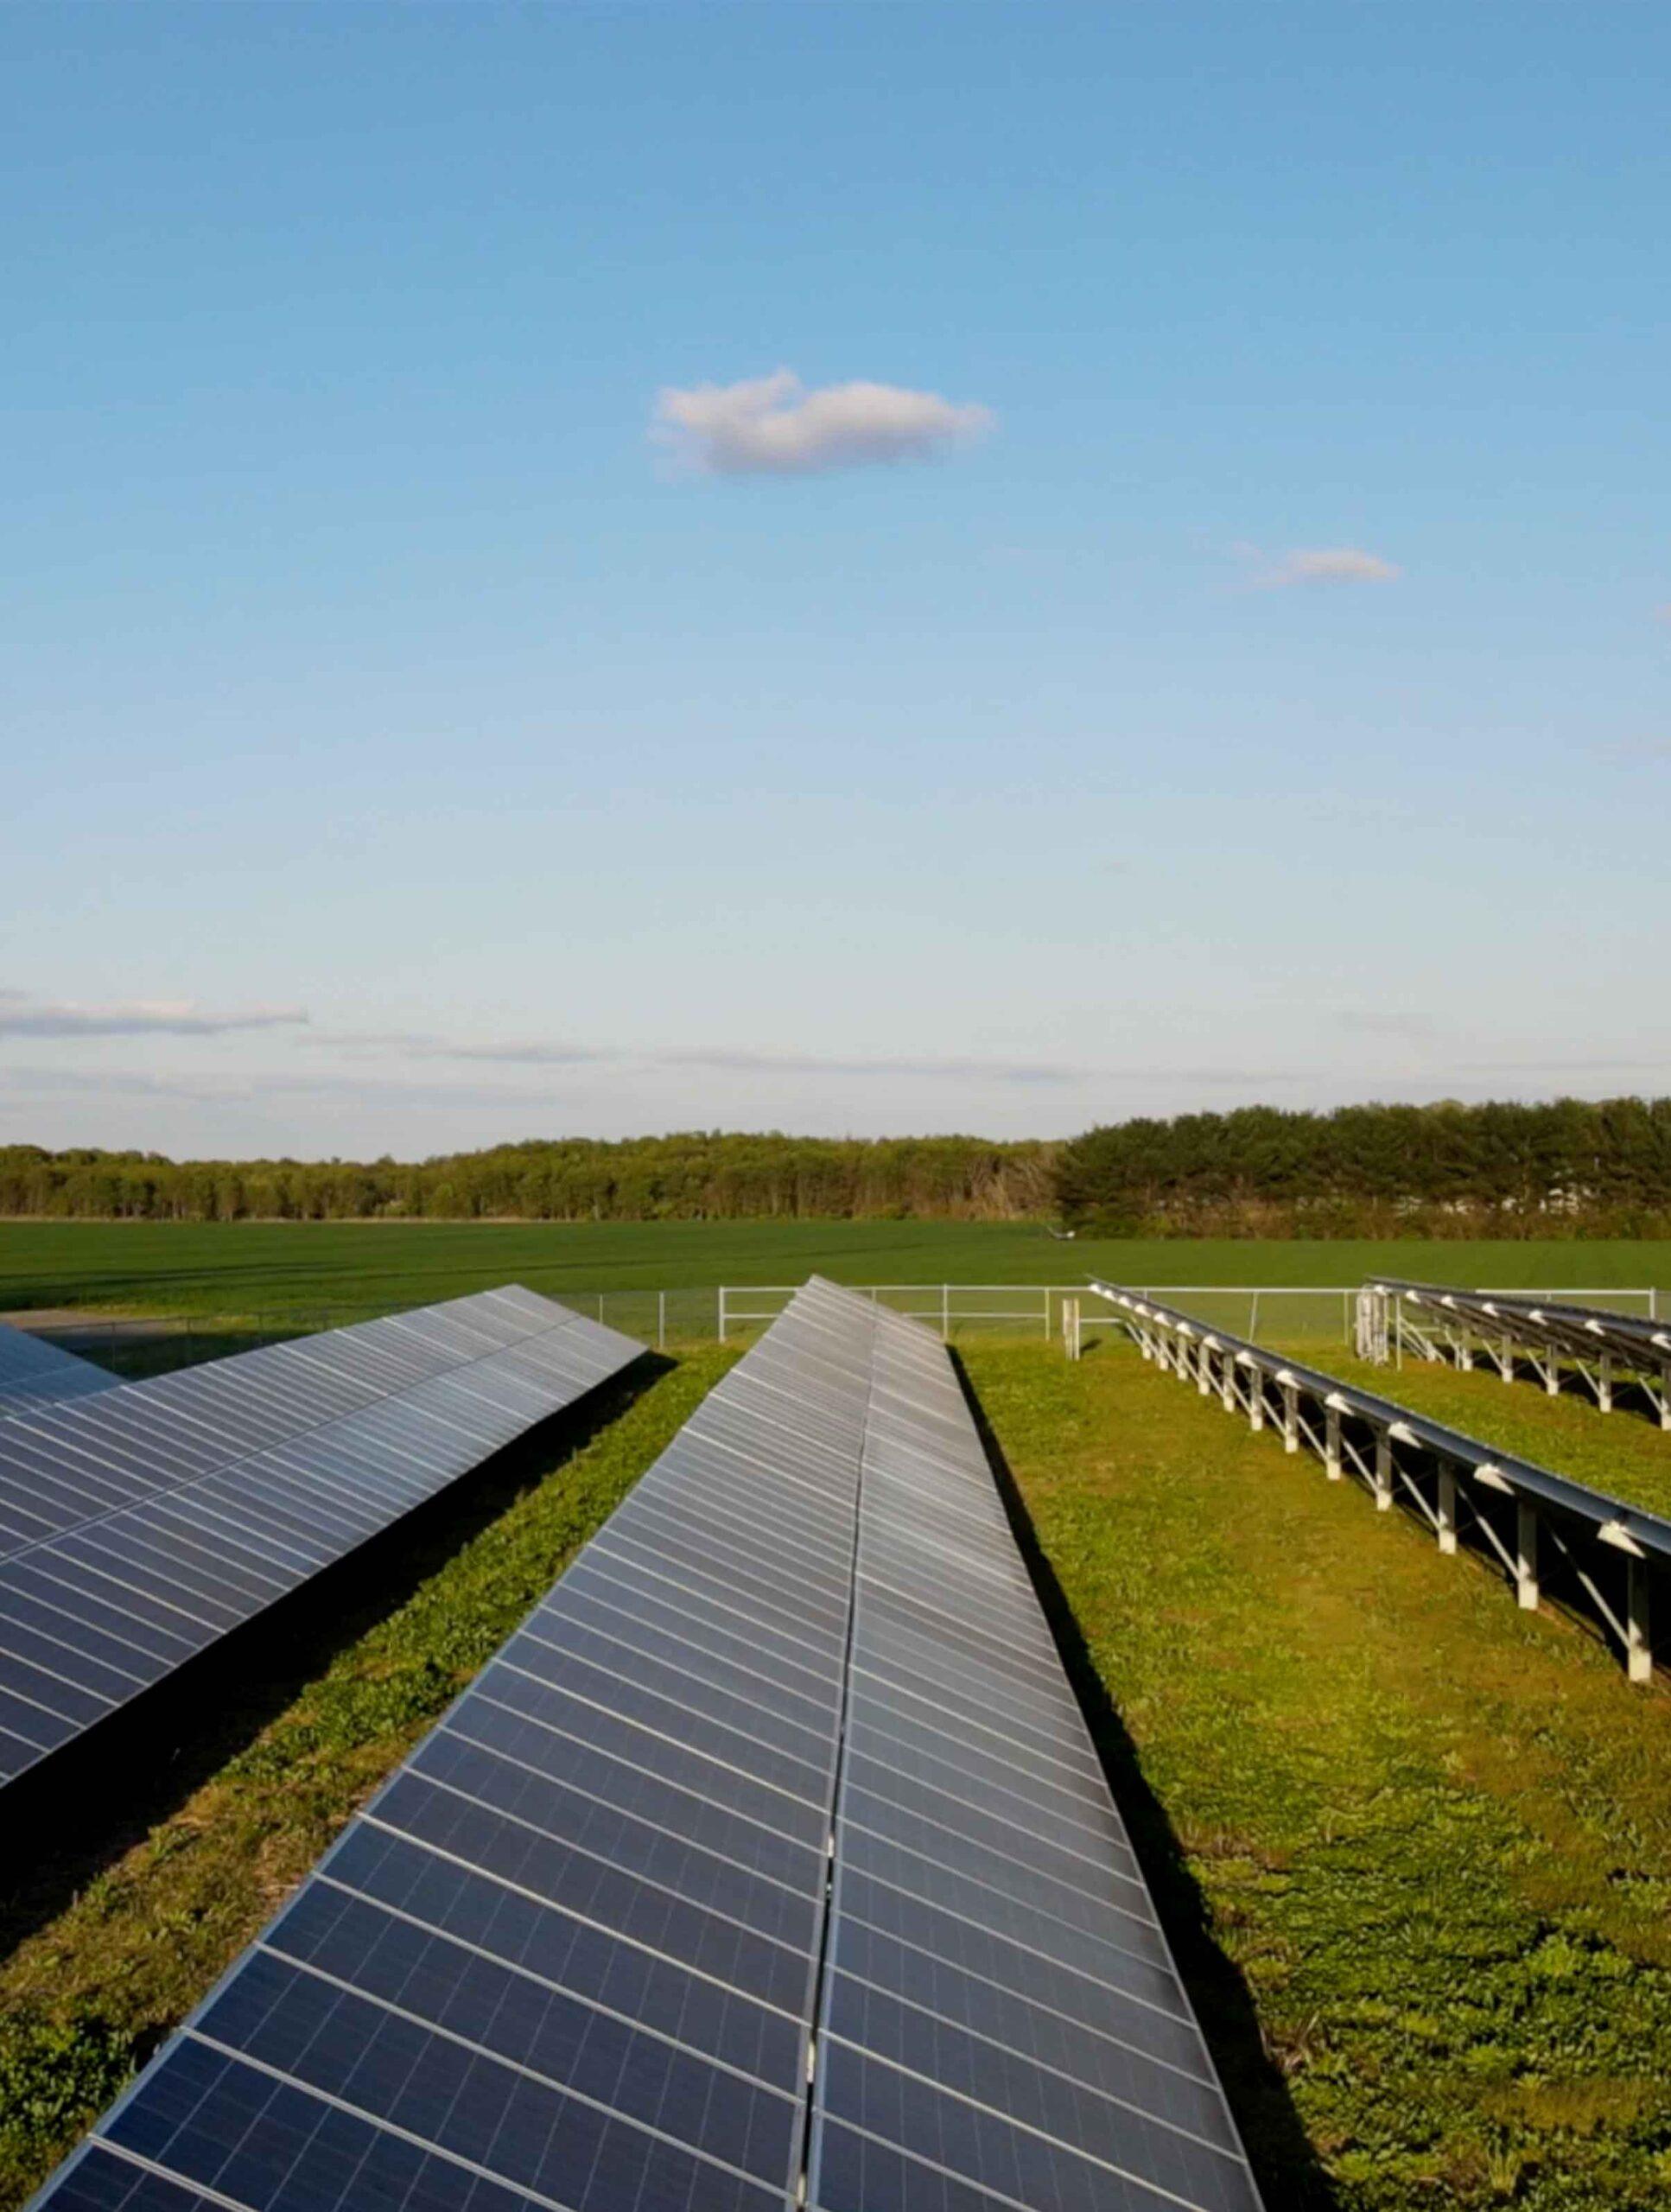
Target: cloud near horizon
724,1059
774,426
23,1014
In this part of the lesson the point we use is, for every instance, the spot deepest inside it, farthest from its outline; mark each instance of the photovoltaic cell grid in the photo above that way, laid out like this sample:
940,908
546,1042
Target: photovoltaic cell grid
34,1372
1001,2022
140,1524
568,1956
571,1956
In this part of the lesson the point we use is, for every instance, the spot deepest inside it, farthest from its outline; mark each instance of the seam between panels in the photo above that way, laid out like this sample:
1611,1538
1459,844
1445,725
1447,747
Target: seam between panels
803,2161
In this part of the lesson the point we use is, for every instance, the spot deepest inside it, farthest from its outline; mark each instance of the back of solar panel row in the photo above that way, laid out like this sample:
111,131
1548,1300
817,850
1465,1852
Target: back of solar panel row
139,1525
1001,2024
571,1956
1583,1331
34,1372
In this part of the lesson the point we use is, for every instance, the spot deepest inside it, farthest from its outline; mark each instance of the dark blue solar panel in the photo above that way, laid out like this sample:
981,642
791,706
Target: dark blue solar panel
138,1526
569,1955
34,1372
1001,2022
572,1955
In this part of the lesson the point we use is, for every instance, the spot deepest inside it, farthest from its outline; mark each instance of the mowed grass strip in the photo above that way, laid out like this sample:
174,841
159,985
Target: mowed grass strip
88,1995
1622,1453
1431,1834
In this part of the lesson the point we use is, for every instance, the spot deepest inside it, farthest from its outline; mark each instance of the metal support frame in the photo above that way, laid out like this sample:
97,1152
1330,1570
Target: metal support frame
1444,1485
1550,1337
1446,1515
1526,1556
1638,1645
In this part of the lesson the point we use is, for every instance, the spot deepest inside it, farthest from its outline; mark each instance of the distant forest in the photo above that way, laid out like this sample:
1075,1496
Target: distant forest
701,1176
1567,1168
1571,1167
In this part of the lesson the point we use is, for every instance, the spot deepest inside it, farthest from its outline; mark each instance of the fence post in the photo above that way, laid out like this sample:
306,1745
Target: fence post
721,1312
661,1320
1252,1316
1046,1312
945,1312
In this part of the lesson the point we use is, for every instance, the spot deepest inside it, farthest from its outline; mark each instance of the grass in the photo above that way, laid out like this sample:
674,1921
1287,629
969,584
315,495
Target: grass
1426,1837
111,1947
309,1268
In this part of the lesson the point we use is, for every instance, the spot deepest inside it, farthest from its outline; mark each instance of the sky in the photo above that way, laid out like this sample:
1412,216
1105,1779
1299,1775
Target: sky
857,568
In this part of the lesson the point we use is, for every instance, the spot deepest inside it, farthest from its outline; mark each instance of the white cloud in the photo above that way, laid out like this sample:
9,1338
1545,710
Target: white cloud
23,1014
402,1044
1322,564
773,426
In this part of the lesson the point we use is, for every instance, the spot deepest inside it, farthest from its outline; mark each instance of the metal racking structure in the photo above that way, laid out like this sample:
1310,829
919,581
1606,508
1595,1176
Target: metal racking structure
1605,1553
1598,1348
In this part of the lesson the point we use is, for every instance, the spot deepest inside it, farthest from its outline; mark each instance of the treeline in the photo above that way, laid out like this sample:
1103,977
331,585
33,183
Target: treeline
702,1177
1571,1167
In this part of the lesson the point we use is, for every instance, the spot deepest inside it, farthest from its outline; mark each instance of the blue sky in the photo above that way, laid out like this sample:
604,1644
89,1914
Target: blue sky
1226,659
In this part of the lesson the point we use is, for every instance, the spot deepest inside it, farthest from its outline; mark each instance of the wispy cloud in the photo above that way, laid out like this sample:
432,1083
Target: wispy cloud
1317,564
774,426
23,1014
560,1053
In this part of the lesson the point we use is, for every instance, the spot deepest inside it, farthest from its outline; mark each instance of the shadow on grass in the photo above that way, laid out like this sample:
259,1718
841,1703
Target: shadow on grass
1286,2165
75,1814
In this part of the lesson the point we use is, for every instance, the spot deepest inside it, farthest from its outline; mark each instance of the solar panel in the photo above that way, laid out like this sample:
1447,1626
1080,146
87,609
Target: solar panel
572,1955
35,1372
138,1526
1001,2022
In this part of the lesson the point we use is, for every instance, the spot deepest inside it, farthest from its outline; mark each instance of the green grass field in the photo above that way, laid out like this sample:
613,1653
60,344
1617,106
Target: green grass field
1413,1846
310,1269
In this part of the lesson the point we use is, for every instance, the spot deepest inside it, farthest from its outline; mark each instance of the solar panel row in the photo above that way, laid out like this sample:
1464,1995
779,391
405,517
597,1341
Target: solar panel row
34,1372
571,1956
1583,1331
568,1957
1001,2022
139,1525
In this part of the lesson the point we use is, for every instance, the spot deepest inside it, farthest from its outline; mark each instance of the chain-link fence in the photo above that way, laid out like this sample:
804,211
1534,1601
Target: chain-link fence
667,1317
